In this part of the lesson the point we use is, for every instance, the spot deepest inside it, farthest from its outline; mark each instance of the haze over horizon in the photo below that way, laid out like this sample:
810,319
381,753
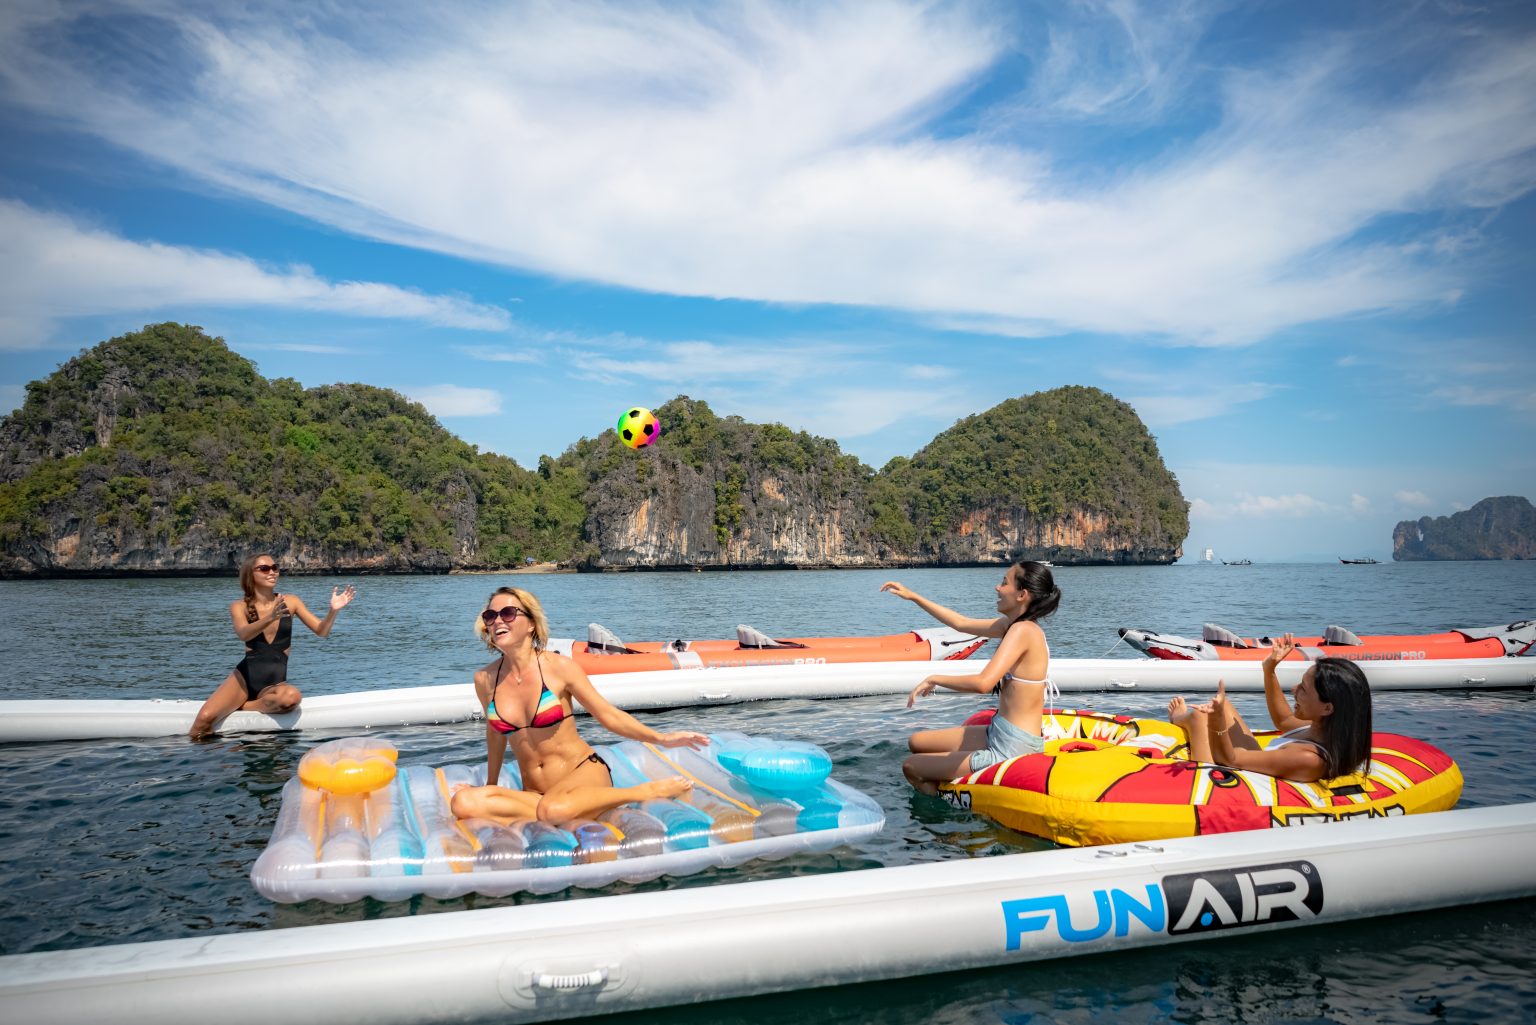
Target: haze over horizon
1297,241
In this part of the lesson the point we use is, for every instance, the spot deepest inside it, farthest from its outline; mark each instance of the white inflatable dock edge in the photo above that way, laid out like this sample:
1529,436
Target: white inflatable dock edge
413,706
549,961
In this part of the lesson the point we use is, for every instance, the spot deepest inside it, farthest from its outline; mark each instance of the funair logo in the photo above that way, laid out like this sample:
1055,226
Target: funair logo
1195,902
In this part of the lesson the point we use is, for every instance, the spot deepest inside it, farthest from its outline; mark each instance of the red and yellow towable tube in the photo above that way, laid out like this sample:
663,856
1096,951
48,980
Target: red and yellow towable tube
1114,779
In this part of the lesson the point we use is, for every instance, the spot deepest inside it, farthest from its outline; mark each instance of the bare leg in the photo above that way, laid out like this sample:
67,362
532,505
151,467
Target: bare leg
274,700
495,803
1193,722
1241,735
588,791
926,771
226,698
954,738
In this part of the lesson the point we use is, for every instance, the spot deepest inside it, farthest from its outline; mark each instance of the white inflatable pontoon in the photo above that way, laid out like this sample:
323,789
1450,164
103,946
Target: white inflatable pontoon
414,706
570,959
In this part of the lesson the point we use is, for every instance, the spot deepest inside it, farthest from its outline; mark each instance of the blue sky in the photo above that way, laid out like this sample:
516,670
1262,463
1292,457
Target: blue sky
1296,237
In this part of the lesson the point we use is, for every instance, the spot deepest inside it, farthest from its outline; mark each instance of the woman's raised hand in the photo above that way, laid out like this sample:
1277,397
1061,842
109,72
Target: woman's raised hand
340,598
1280,650
898,589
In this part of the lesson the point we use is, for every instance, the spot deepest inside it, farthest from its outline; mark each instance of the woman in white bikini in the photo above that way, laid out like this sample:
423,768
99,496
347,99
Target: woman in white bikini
1019,670
1327,733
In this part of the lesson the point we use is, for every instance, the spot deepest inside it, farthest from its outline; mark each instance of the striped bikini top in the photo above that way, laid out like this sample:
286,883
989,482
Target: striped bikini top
548,712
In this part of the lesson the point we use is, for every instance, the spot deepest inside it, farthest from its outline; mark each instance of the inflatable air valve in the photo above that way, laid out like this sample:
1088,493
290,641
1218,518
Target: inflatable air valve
595,842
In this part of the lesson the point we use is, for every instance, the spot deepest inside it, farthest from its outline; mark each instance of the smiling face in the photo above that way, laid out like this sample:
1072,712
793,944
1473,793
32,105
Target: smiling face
505,633
1012,599
1304,697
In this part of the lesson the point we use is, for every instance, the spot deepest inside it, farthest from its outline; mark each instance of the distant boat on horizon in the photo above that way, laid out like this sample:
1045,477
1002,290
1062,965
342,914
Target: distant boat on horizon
1237,562
1367,561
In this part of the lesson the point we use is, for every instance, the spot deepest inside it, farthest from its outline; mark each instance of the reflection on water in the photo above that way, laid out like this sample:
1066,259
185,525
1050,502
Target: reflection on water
116,841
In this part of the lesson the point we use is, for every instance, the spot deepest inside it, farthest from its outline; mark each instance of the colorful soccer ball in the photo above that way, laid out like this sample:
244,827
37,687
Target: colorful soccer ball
638,427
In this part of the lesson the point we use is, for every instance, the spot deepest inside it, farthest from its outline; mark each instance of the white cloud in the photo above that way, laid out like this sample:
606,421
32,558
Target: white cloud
927,372
1280,505
1359,505
640,145
1413,499
491,354
1199,402
55,267
453,400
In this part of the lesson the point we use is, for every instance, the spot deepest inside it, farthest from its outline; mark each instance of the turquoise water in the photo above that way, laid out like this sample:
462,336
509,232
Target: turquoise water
118,841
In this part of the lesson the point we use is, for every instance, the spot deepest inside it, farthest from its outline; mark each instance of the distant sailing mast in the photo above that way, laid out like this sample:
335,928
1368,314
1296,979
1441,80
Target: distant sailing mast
1208,555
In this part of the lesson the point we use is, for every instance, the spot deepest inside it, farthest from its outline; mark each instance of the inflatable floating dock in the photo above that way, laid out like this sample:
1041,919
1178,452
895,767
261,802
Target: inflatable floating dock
352,826
570,959
414,706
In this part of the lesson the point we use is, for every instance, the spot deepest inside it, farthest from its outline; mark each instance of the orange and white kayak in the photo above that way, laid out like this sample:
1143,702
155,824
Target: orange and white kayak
1216,642
602,652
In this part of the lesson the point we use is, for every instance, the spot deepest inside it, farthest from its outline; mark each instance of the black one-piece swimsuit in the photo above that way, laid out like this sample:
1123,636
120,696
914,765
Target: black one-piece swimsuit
266,662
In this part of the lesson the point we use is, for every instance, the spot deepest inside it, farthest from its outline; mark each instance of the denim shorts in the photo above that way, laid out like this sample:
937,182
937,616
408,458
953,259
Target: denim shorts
1005,741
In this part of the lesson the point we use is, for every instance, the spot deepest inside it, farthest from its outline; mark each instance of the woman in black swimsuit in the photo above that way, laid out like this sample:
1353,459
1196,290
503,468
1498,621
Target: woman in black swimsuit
527,693
260,682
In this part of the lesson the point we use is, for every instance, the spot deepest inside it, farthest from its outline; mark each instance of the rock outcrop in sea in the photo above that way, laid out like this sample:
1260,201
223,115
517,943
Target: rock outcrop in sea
1495,528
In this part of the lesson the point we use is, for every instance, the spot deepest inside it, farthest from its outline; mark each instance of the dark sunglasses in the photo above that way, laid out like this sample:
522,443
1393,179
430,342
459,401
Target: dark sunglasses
507,614
271,567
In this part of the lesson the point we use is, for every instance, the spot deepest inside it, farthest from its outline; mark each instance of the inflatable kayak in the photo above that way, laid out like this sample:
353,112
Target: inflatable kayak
1217,642
602,652
1106,779
353,825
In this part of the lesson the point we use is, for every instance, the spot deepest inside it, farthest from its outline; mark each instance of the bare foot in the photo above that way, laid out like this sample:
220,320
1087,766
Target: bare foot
673,786
1179,713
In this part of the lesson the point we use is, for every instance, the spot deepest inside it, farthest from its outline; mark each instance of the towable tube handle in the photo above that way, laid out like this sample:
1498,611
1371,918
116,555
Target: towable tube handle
574,980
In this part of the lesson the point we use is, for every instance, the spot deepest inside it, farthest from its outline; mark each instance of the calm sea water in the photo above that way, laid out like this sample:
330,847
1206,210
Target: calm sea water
119,841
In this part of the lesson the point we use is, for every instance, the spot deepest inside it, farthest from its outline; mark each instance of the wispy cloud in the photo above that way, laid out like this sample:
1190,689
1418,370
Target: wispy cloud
1359,505
492,354
56,267
639,145
314,349
1199,402
1413,499
453,400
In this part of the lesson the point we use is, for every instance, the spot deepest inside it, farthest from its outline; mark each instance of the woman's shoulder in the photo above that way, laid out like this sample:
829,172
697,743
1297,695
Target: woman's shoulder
1027,628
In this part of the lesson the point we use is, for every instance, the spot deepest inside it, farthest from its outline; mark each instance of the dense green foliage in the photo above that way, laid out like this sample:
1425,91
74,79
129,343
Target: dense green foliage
164,440
1048,454
200,442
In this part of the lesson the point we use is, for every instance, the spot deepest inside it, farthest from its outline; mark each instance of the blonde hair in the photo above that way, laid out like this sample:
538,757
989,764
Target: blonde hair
248,583
530,605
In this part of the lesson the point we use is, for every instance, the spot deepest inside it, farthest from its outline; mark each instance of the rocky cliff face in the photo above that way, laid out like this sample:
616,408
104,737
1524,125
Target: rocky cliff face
1082,536
1495,528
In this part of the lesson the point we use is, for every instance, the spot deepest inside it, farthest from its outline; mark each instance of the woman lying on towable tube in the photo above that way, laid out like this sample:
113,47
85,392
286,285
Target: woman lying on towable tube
1327,732
527,695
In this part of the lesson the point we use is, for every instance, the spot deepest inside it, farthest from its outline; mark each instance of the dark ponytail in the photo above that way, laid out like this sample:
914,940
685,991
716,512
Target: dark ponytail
1044,595
1347,730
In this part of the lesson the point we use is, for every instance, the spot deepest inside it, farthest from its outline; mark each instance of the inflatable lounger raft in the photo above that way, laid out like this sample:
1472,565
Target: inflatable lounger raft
95,719
1106,779
352,826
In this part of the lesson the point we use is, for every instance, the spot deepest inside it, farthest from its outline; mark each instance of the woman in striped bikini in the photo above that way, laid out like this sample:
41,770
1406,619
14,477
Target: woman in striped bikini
527,694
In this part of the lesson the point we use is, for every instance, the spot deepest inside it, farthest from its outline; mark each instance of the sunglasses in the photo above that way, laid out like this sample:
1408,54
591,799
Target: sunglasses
271,567
508,614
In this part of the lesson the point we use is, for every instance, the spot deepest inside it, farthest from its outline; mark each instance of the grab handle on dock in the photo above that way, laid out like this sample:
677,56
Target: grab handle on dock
570,981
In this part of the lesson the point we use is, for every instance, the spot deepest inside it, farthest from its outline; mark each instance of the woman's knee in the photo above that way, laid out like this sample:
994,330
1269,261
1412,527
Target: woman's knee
285,697
466,804
553,809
